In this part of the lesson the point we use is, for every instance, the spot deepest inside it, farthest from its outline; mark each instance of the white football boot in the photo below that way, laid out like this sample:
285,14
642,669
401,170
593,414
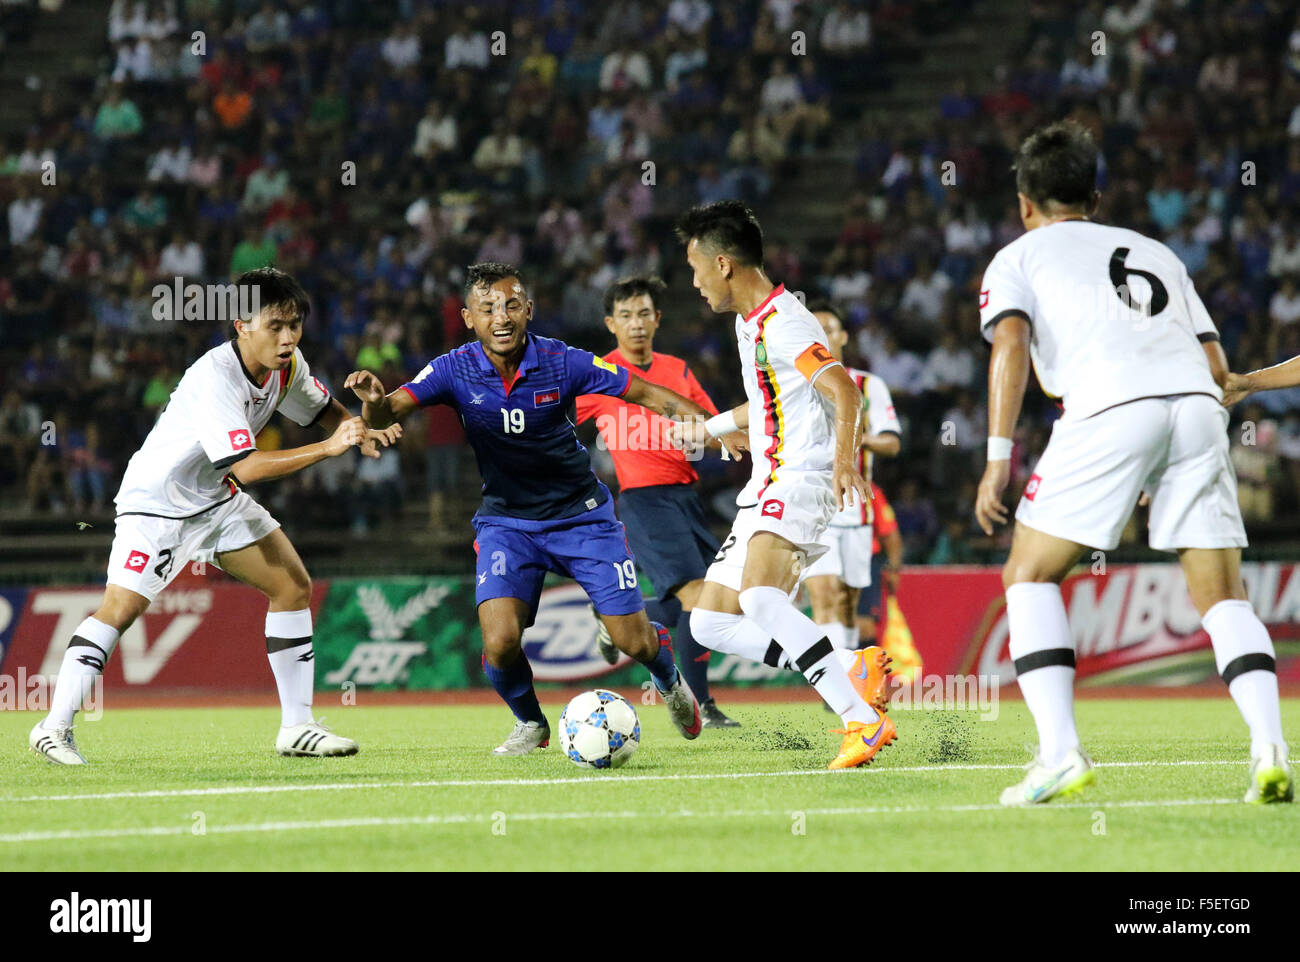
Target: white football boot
1271,779
1042,784
314,739
524,738
56,744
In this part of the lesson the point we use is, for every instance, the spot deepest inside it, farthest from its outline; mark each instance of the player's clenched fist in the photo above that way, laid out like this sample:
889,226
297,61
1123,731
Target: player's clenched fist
989,509
365,386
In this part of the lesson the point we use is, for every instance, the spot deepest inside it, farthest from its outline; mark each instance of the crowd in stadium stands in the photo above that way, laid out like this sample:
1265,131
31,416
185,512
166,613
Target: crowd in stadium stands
373,149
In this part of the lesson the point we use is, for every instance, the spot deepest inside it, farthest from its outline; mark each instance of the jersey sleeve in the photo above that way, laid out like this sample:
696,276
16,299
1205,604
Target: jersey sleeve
881,416
433,385
304,399
223,427
695,391
1005,290
1202,323
803,344
589,374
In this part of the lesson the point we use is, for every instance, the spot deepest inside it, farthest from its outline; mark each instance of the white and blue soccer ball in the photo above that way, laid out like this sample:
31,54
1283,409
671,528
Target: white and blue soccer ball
599,729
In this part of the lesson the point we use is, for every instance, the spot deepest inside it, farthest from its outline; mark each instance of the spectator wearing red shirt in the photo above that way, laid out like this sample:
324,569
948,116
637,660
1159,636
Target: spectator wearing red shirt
657,500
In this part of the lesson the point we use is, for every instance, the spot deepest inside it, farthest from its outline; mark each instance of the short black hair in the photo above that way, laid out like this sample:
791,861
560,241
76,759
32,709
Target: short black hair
487,273
1057,164
626,288
725,227
276,291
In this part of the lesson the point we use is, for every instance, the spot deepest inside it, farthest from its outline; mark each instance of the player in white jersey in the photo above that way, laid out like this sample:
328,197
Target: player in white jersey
835,580
802,417
1115,329
178,504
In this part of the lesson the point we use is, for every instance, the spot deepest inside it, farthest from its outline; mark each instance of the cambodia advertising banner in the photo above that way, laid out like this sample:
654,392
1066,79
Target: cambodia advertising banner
195,637
1131,624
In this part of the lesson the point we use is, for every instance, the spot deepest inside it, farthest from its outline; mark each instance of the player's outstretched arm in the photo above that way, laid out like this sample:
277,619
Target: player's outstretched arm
377,409
661,400
835,385
337,414
265,465
1008,378
1240,386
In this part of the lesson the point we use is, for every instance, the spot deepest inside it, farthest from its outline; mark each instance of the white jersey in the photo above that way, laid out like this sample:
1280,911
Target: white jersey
209,424
880,418
782,352
1115,316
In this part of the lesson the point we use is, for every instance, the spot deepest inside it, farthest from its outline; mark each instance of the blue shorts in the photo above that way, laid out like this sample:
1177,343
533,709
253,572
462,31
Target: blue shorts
514,555
668,534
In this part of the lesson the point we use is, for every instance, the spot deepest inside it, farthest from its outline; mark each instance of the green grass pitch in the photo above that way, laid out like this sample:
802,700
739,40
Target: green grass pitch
202,789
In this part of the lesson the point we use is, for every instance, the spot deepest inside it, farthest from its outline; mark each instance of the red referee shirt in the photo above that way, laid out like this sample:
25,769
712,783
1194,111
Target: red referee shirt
637,438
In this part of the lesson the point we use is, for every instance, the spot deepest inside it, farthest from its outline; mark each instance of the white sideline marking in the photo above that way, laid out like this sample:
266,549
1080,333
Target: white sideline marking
590,779
331,823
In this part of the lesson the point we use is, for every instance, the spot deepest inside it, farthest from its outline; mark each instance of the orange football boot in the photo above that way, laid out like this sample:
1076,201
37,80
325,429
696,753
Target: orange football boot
870,676
862,741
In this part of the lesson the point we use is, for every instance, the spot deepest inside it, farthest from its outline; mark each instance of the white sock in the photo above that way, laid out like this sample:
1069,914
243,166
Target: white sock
1242,642
806,643
1039,628
289,650
841,636
91,646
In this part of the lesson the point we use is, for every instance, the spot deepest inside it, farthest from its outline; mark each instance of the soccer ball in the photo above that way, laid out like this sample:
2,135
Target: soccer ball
599,729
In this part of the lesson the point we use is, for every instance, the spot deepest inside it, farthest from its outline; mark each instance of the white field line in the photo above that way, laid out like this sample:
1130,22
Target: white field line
602,780
375,822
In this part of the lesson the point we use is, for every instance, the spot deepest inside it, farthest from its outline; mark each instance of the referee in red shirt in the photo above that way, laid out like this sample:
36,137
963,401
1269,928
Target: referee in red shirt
657,500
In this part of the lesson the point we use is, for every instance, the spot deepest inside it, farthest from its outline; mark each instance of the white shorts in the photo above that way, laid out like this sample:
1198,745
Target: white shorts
149,552
798,507
1088,481
847,557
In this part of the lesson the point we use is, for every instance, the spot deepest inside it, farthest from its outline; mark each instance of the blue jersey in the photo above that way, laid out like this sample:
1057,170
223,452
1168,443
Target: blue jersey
532,463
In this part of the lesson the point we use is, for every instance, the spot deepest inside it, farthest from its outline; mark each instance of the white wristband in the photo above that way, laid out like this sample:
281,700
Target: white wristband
1000,449
720,424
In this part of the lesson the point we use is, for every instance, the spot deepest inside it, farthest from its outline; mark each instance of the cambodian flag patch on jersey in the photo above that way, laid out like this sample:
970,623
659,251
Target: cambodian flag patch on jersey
551,396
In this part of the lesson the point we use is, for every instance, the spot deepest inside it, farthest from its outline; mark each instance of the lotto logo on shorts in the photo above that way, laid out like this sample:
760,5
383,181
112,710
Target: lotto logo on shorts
240,440
984,299
773,509
137,561
1031,487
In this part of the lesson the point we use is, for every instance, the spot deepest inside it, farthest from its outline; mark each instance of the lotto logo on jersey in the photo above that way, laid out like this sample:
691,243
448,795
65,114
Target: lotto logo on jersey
1031,487
136,561
319,386
773,509
239,440
984,299
546,397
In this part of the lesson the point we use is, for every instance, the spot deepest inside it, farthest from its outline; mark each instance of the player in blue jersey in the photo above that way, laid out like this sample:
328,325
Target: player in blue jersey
543,507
